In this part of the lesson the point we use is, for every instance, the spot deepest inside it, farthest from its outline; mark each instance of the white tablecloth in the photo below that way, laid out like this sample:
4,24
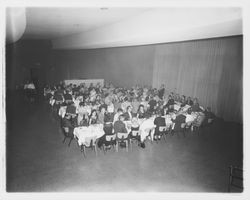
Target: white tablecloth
145,126
84,132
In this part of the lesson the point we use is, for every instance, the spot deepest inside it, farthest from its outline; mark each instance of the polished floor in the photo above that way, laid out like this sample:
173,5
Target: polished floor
38,161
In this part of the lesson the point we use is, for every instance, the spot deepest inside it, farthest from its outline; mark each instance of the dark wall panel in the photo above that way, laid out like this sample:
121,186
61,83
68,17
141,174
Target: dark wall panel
25,56
122,66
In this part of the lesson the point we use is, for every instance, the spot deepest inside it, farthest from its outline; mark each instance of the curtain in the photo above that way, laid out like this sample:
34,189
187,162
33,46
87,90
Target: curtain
210,70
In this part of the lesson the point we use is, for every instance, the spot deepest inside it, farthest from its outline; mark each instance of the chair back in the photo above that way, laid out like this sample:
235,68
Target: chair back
110,137
122,135
183,125
162,128
136,133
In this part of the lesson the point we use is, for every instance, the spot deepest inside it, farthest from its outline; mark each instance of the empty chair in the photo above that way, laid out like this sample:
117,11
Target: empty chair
122,138
109,141
90,142
67,134
235,178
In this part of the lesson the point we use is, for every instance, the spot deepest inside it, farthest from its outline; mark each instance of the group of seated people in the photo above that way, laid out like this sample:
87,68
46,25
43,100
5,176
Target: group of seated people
111,106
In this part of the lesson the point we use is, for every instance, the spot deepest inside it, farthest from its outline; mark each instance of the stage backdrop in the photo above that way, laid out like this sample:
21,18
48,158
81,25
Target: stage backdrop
209,69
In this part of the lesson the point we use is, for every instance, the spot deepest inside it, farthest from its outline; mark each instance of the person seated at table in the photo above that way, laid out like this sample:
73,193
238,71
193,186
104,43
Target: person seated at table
183,101
209,115
152,104
177,98
171,109
164,111
59,90
120,126
93,117
58,96
189,101
196,107
158,121
144,102
71,109
134,124
135,105
189,117
84,121
125,104
68,97
101,115
92,95
116,116
170,101
179,119
110,107
103,105
67,123
161,91
91,87
128,115
141,112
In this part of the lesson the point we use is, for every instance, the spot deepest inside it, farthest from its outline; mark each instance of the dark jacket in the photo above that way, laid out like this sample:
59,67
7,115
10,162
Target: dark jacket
120,127
180,119
159,121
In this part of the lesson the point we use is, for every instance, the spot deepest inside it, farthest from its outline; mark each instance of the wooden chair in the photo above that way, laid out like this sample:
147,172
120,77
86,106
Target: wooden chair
91,142
162,133
110,140
67,134
120,138
235,178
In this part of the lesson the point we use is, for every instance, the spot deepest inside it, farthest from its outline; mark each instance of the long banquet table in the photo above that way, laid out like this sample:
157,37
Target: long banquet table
83,133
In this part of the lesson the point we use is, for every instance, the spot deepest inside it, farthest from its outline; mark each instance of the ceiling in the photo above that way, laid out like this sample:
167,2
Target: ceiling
87,28
50,23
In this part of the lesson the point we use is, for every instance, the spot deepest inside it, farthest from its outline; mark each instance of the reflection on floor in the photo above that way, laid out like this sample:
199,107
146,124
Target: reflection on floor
38,161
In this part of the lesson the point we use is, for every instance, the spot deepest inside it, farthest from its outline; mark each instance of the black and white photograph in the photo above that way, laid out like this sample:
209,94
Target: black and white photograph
123,99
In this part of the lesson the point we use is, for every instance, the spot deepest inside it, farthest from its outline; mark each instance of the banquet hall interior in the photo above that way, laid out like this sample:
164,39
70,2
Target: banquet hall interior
109,99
